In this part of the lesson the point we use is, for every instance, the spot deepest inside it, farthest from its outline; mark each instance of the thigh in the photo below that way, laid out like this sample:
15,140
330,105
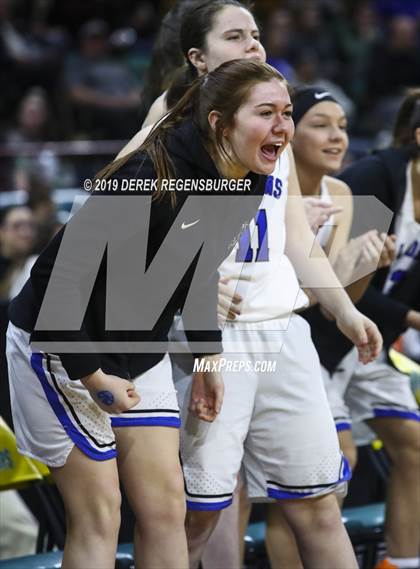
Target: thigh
292,441
149,465
398,435
147,439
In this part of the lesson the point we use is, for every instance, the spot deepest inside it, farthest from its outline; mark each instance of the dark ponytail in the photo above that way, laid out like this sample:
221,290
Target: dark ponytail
167,56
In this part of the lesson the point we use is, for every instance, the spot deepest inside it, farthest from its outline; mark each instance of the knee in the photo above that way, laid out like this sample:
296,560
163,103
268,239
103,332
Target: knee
405,450
164,505
326,515
320,515
201,522
98,513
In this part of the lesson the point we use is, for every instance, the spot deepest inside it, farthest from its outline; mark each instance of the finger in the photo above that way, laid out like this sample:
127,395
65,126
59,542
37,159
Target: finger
335,209
133,401
235,309
378,241
204,413
237,298
132,394
224,303
375,339
218,398
390,246
192,407
359,334
364,354
324,205
370,251
313,202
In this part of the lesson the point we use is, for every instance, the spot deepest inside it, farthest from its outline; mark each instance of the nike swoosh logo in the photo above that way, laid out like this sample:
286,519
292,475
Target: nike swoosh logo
321,95
187,225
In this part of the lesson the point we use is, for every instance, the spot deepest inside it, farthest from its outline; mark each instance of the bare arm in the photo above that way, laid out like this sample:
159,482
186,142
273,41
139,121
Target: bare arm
315,272
341,197
156,111
135,142
308,258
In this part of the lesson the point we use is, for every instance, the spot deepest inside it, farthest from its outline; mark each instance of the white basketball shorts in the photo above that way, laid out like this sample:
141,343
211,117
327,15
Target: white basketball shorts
52,413
277,422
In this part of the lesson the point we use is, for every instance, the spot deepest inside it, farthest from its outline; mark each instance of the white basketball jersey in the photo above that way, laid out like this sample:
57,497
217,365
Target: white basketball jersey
407,230
258,268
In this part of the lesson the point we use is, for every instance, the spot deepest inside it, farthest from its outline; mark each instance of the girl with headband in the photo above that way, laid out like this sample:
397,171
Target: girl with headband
377,392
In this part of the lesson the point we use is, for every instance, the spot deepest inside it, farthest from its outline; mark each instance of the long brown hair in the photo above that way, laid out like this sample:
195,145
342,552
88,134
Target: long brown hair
223,90
408,119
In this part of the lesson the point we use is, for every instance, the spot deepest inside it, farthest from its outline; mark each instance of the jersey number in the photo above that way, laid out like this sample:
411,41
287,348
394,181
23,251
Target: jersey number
245,253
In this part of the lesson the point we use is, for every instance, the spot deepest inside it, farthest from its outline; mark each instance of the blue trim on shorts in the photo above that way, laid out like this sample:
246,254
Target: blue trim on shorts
346,472
146,422
394,413
208,506
294,494
343,426
79,440
284,495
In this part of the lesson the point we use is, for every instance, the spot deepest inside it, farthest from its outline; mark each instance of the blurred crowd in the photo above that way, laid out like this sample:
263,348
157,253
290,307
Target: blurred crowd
78,73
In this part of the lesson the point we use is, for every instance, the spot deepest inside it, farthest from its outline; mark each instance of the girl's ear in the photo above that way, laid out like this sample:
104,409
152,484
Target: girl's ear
198,59
213,117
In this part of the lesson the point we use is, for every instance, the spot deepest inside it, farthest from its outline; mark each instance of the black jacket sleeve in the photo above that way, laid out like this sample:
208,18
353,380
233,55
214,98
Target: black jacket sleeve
370,176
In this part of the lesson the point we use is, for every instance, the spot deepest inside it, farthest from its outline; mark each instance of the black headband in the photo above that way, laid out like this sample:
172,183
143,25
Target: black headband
305,98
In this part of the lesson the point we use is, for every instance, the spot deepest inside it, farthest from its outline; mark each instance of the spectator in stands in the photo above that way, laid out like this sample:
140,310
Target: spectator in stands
102,89
17,239
395,7
356,31
399,54
313,35
33,124
33,119
143,21
27,57
278,41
